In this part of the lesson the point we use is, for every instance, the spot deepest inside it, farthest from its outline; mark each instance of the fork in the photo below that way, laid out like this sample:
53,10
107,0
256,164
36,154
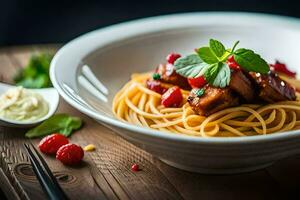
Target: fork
44,175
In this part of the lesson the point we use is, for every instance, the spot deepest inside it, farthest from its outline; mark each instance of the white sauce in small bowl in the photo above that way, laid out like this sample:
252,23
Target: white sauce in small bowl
22,105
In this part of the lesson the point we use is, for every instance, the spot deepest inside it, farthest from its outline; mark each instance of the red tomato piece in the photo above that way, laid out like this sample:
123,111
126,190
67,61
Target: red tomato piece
198,82
232,63
282,68
172,97
156,86
172,57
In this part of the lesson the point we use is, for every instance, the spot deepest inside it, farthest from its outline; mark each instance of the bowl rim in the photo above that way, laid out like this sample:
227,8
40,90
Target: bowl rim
117,31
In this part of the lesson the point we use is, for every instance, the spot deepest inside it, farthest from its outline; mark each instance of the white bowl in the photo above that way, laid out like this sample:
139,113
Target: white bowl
115,52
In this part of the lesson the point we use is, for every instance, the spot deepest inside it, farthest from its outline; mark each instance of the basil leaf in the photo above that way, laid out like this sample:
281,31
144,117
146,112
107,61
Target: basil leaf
211,73
251,61
218,75
190,66
207,55
217,47
223,77
61,123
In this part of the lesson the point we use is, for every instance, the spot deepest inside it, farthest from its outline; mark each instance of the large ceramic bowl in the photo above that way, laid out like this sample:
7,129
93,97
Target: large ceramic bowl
115,52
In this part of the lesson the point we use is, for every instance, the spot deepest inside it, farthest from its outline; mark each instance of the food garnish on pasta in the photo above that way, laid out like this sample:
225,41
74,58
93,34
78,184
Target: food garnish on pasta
215,92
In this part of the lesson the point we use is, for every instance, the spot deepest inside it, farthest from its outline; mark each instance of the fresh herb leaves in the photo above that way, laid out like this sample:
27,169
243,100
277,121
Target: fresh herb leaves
251,61
190,66
217,47
207,55
211,62
36,73
222,78
61,123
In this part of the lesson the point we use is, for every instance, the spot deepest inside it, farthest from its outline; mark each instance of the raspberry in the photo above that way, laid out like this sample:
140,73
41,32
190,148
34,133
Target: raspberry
51,143
70,154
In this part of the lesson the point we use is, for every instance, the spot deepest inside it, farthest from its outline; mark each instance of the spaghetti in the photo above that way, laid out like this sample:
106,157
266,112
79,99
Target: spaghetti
138,105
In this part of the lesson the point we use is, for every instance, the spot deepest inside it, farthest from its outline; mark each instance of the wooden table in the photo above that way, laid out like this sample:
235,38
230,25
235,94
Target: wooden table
105,173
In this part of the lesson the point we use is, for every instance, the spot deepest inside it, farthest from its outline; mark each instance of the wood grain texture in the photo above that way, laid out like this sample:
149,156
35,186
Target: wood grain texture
105,172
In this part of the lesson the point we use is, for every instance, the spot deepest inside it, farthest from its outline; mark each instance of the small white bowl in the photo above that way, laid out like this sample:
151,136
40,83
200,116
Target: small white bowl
115,52
50,95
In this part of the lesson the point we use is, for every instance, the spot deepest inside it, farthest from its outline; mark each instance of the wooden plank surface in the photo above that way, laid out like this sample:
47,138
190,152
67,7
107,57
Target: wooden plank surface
105,173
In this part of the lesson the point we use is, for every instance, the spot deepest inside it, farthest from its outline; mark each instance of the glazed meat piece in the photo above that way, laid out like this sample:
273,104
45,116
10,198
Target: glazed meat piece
242,85
168,75
213,100
272,88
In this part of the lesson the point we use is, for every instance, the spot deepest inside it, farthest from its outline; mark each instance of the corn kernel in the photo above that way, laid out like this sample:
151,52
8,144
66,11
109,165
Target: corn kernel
89,147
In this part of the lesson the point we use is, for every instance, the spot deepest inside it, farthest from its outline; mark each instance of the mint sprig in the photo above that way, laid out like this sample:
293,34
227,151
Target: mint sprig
250,61
211,62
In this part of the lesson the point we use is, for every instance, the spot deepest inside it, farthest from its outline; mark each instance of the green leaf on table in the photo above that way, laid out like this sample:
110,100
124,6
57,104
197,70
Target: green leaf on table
206,54
190,66
60,123
217,47
251,61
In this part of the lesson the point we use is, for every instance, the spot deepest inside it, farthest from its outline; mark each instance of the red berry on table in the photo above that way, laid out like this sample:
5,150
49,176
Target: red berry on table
51,143
198,82
70,154
232,63
135,167
172,57
172,97
156,86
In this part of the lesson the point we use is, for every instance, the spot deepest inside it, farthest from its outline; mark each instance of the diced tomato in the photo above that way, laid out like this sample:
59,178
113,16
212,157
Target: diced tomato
172,97
281,68
198,82
232,63
156,86
172,57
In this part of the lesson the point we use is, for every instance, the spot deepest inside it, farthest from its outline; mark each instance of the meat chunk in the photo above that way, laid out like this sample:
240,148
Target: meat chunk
272,88
242,85
213,100
168,75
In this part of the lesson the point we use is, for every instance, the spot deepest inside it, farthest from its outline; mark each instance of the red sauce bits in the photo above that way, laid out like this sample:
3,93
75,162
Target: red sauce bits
51,143
198,82
156,86
135,167
172,97
281,68
172,57
231,63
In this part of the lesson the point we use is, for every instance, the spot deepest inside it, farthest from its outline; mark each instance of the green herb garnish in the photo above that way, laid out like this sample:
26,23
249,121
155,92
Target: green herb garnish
60,123
211,62
36,73
198,92
156,76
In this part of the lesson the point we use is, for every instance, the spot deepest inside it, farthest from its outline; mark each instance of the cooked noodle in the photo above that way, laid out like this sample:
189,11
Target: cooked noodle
136,104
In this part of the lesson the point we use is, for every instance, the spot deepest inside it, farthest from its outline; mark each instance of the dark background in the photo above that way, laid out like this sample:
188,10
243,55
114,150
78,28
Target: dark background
54,21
